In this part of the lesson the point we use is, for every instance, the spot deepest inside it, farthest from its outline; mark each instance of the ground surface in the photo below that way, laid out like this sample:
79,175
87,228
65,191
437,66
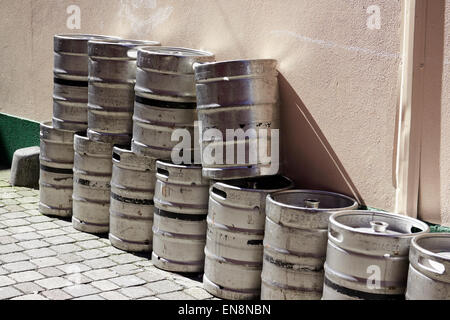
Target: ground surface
42,258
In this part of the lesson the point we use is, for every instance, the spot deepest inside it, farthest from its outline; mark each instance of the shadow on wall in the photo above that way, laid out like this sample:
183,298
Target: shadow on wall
305,146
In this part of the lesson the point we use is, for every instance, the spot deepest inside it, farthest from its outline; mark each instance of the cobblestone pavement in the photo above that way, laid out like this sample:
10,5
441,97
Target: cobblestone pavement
43,258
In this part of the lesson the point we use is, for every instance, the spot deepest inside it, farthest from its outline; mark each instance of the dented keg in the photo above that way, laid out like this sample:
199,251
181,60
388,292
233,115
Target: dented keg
181,207
112,76
241,96
56,171
70,93
429,269
295,242
91,185
367,256
234,245
131,207
165,99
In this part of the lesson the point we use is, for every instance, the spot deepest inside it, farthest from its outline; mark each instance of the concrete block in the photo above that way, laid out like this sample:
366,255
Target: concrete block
25,168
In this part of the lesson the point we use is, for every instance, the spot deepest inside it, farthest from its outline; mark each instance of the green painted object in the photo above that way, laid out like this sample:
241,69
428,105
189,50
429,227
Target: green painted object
16,133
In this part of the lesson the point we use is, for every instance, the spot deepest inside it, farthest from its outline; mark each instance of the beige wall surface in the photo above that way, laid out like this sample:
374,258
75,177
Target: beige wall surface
339,78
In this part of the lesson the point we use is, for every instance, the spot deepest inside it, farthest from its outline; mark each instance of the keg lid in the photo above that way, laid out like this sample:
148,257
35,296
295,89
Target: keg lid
258,68
76,43
172,59
377,223
117,48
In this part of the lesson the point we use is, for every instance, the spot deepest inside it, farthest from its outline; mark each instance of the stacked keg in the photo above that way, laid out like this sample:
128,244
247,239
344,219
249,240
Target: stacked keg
234,250
70,97
367,255
295,242
429,269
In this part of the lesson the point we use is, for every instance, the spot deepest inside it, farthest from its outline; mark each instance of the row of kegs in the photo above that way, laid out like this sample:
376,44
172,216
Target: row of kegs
106,162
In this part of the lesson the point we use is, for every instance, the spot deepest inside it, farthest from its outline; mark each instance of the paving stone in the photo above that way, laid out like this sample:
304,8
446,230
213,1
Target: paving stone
105,285
28,236
136,292
189,283
26,193
163,286
15,223
20,266
26,276
6,195
40,253
47,262
7,240
70,231
91,244
81,290
90,298
66,248
38,219
92,254
16,215
10,248
70,258
125,258
100,263
60,240
18,230
30,297
29,288
9,292
74,268
100,274
198,293
128,281
144,263
3,271
63,223
12,206
110,250
57,294
127,269
149,298
113,295
82,236
45,226
77,278
52,233
6,281
178,295
54,283
33,244
150,276
51,272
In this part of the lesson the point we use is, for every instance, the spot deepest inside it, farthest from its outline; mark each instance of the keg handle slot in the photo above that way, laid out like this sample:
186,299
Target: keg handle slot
219,193
312,203
379,226
432,266
132,53
116,156
335,235
163,172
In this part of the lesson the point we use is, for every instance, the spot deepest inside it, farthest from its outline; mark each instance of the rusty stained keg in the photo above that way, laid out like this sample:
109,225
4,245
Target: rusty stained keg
91,185
70,93
56,171
165,99
181,207
367,256
234,246
238,95
429,269
112,76
295,242
131,207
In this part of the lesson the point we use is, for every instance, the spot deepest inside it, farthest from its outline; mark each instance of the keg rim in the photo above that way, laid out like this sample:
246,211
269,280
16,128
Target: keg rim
415,223
271,198
419,248
176,52
207,64
129,43
83,36
49,125
209,71
227,185
178,166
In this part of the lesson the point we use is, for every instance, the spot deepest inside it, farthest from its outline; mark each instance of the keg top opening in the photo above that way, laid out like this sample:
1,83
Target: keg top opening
260,183
313,200
378,223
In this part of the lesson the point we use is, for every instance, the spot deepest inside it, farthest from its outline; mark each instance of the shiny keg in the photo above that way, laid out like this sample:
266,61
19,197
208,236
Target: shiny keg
91,185
241,96
295,242
56,171
429,269
181,207
165,100
234,245
70,93
131,207
112,76
367,256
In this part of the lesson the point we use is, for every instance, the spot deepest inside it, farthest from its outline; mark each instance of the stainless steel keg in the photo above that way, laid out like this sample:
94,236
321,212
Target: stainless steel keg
429,269
234,246
367,256
165,99
112,76
70,93
241,96
181,207
91,185
295,242
132,206
56,171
